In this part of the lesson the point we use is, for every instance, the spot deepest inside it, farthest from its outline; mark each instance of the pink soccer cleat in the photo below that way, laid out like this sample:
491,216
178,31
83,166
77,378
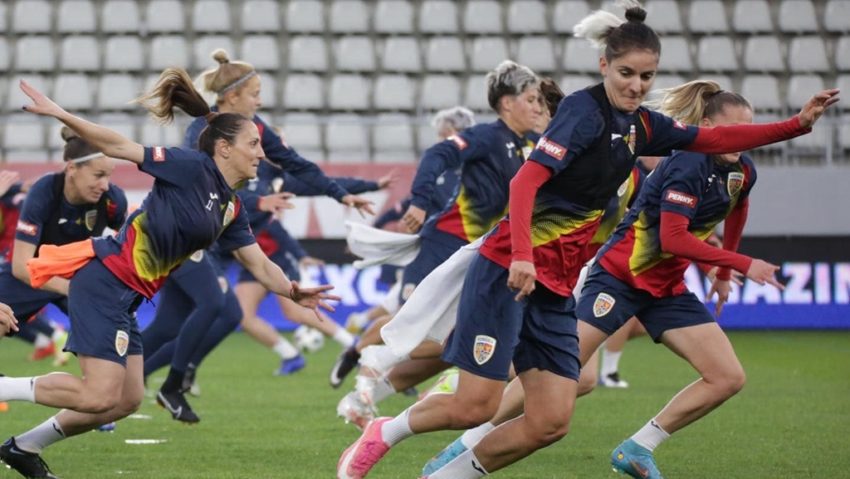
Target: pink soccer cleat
362,456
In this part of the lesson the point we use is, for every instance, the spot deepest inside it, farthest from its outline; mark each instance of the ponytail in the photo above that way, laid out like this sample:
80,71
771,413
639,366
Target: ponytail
695,100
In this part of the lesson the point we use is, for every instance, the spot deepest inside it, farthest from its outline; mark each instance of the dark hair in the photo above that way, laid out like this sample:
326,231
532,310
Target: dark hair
617,37
75,147
174,89
551,94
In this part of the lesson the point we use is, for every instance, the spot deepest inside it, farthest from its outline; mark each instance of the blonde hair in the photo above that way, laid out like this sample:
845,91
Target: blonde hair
227,75
695,100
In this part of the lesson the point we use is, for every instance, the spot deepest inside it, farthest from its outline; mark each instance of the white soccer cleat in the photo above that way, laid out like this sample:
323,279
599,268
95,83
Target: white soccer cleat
613,381
353,410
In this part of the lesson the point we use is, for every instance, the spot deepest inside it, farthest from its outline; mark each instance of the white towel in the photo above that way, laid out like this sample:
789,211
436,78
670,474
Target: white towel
377,246
431,311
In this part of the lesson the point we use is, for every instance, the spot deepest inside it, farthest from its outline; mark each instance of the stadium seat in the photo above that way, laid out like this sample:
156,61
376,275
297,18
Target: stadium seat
123,53
261,51
393,16
260,16
79,53
303,92
168,51
707,16
580,56
303,132
23,132
268,90
73,91
4,13
487,52
566,13
676,55
844,134
120,16
121,122
807,54
35,54
349,16
801,88
664,16
716,54
165,16
27,156
15,98
5,55
842,54
797,16
762,91
75,16
211,16
726,82
439,91
354,54
304,16
571,83
444,54
308,53
394,92
438,16
401,54
161,135
537,53
667,81
836,16
817,141
350,93
842,82
54,136
763,54
482,17
32,16
475,93
115,92
526,17
204,46
752,16
392,139
347,139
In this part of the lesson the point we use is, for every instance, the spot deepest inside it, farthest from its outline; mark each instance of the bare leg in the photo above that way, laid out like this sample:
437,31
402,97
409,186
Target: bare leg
372,335
414,371
98,391
250,295
474,402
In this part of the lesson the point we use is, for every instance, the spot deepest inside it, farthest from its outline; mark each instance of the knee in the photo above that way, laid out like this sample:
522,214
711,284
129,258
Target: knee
586,384
129,405
467,416
548,430
730,383
98,403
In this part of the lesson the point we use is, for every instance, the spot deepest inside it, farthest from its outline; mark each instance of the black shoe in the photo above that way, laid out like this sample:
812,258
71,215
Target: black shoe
177,405
344,364
411,391
189,385
29,464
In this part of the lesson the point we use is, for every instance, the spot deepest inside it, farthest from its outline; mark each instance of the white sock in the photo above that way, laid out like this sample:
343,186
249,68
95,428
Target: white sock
650,435
40,436
57,333
383,389
471,437
610,362
465,466
41,341
343,337
17,389
285,349
397,429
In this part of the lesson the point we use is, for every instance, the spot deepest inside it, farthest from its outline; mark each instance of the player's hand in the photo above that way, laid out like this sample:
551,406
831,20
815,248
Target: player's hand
8,323
276,202
737,276
310,261
763,272
313,298
387,180
7,179
814,108
722,287
41,105
412,219
361,204
522,277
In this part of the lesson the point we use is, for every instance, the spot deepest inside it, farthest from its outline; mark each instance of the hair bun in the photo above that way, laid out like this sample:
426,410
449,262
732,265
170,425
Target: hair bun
636,14
220,56
68,134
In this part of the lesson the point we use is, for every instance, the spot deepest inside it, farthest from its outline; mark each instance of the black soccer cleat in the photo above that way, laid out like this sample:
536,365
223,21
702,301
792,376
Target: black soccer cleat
344,364
176,404
28,464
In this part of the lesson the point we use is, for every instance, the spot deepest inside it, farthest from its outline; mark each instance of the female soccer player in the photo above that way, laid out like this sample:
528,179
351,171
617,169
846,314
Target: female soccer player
516,301
191,205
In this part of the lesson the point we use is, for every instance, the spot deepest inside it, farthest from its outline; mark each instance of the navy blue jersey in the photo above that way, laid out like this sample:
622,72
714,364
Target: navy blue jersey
693,185
189,208
488,155
445,186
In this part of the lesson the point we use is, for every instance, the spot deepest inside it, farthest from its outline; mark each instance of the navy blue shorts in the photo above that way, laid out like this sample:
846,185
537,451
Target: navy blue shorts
101,309
493,330
607,303
24,300
433,253
287,262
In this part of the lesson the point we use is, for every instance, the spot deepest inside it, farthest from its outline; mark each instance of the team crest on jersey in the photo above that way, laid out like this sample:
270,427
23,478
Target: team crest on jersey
90,219
734,183
484,348
229,213
122,341
603,305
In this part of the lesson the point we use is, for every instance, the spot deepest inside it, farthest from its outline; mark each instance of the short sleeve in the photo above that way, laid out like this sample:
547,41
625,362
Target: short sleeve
666,134
575,127
238,233
36,210
683,184
177,166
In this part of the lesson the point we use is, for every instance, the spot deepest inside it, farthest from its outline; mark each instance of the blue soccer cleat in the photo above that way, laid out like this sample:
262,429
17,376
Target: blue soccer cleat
291,366
444,457
108,427
635,460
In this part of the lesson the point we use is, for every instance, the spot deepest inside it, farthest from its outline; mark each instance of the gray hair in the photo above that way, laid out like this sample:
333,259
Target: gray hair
509,78
458,118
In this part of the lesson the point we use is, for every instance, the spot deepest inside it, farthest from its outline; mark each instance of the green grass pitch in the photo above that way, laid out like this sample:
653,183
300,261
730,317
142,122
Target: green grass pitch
791,420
